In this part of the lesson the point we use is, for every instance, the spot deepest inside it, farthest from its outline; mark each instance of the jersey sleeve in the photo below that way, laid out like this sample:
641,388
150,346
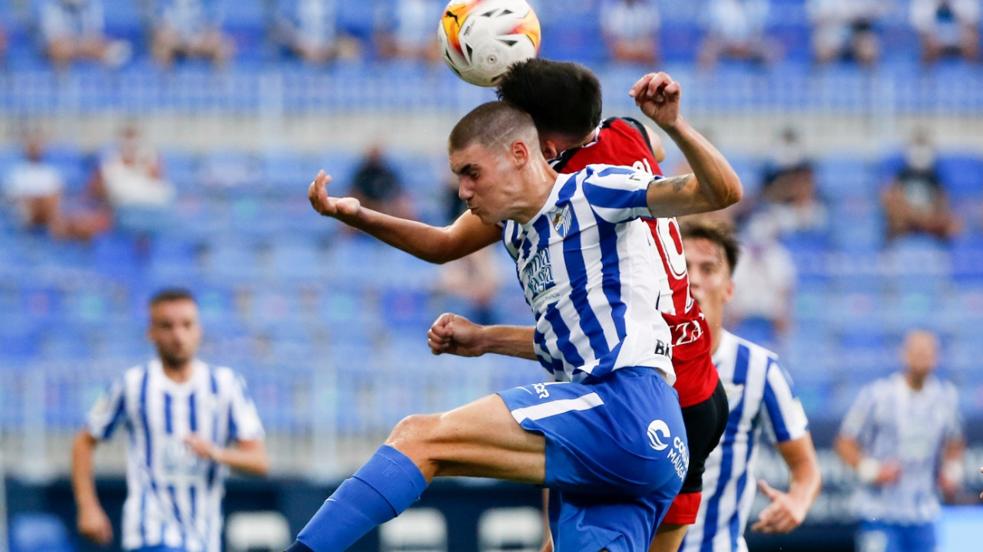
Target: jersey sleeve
953,430
858,417
619,194
783,410
108,411
244,421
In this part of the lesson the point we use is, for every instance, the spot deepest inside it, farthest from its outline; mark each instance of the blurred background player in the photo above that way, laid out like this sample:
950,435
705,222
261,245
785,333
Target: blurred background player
188,423
761,401
903,436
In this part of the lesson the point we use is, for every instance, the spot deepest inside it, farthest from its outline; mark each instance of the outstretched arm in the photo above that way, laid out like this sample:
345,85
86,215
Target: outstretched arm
788,509
434,244
713,184
456,335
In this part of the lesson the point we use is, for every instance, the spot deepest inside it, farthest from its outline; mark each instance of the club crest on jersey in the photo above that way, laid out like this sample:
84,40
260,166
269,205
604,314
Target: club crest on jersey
560,218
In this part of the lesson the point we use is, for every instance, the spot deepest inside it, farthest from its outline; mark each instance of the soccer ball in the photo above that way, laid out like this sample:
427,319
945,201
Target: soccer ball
480,39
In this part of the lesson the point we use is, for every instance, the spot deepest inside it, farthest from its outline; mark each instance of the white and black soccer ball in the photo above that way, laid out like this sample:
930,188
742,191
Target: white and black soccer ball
480,39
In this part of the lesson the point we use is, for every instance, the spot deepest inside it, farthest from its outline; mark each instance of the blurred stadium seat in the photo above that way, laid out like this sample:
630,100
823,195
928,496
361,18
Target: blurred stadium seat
415,530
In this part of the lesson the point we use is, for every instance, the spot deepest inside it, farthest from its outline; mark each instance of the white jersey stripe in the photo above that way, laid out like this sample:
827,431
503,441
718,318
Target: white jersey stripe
553,408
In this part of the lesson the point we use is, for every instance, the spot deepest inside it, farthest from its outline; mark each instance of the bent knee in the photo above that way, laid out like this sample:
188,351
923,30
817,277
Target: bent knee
414,430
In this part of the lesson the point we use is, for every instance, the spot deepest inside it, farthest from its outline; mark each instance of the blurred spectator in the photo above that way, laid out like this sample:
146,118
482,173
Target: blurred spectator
947,27
407,30
736,30
766,277
190,29
309,30
915,201
378,187
73,30
789,190
845,29
128,178
630,28
35,188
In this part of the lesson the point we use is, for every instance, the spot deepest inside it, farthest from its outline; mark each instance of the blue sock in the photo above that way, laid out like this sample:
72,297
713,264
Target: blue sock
380,490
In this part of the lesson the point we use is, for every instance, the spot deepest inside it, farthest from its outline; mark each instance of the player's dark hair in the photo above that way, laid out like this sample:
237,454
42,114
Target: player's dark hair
492,123
562,97
167,295
720,233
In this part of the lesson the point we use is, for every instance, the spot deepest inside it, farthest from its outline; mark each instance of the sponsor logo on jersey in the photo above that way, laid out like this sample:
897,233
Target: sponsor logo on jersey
538,273
659,434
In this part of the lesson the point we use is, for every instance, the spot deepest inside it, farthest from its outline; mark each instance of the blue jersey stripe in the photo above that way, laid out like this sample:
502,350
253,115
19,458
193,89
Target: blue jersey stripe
192,414
172,491
193,495
608,171
143,515
552,365
573,258
734,525
563,336
212,466
148,441
611,274
168,418
615,198
775,409
107,432
233,428
727,456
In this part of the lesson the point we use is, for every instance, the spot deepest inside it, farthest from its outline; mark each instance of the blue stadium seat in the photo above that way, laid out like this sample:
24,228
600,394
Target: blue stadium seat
962,176
39,532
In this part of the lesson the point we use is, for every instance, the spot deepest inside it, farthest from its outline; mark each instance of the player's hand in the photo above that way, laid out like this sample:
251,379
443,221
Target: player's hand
981,494
890,473
782,515
204,449
337,207
657,95
453,334
93,524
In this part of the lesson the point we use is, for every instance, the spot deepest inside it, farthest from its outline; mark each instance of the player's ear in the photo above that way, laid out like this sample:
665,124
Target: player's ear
729,290
520,153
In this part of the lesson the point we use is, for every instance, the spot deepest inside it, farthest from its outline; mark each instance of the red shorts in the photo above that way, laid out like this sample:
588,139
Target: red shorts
696,376
684,508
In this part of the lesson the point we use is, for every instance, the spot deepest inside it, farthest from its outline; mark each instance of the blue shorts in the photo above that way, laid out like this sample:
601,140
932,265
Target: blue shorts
877,536
616,456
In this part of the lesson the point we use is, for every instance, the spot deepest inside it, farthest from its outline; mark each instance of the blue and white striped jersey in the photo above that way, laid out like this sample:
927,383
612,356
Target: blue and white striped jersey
891,421
173,496
761,400
588,268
